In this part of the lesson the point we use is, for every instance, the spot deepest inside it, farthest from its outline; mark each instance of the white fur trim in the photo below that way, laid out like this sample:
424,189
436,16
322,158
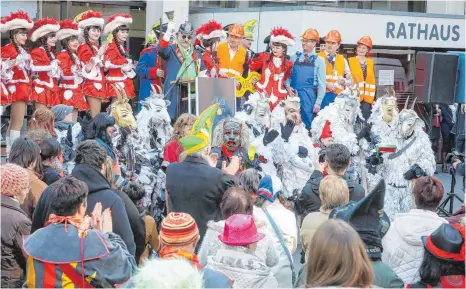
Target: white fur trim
65,33
110,65
15,24
282,39
92,22
118,21
43,30
116,78
49,83
213,34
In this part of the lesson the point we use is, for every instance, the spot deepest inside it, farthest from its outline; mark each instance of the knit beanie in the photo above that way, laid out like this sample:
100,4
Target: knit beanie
60,111
178,229
269,188
14,179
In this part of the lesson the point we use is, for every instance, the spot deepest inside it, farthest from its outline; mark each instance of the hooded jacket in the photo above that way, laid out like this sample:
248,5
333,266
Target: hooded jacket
243,266
403,250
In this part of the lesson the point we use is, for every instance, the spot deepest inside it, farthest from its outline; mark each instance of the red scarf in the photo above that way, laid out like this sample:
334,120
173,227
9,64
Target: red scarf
226,152
168,252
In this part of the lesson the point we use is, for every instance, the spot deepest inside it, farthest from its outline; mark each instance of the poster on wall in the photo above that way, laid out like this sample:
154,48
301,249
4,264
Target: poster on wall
386,77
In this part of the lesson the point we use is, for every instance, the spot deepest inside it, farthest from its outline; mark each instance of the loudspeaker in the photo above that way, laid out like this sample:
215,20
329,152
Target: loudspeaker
435,80
460,96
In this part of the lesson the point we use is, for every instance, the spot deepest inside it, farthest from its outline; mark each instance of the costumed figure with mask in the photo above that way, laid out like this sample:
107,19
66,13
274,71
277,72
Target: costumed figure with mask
91,55
295,160
150,67
276,69
307,79
231,138
15,64
182,62
117,62
413,158
209,34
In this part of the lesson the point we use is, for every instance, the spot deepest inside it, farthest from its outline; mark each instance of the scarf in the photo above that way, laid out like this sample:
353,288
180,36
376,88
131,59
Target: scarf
168,252
77,222
187,59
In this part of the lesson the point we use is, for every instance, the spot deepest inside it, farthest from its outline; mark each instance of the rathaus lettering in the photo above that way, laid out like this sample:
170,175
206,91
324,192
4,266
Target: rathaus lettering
422,31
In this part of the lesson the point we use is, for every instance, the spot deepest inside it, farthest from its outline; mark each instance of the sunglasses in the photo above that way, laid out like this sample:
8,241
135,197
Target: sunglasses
186,36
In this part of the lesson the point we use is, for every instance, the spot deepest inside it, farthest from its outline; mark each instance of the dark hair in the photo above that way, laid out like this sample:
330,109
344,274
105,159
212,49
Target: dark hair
235,201
98,127
249,180
49,148
90,152
122,51
86,36
432,268
68,193
24,152
43,44
12,37
64,44
428,193
135,191
338,157
38,134
209,42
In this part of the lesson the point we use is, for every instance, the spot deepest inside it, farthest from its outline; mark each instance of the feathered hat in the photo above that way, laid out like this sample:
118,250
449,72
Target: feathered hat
42,27
201,133
249,29
90,18
67,28
16,20
281,35
117,20
209,30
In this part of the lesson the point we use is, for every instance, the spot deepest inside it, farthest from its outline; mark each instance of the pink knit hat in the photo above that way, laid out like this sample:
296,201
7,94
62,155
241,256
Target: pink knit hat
14,179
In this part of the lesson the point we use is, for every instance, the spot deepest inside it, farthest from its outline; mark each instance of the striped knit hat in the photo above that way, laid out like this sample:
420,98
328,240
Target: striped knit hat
14,179
269,188
178,229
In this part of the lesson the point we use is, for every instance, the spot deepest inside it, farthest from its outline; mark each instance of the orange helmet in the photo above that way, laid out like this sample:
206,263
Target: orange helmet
236,30
366,40
310,34
334,36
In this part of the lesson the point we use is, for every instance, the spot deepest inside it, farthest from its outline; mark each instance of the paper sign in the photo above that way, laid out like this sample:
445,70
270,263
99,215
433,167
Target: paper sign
386,77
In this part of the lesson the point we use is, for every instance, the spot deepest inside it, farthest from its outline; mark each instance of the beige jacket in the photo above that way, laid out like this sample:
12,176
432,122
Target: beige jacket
310,224
37,187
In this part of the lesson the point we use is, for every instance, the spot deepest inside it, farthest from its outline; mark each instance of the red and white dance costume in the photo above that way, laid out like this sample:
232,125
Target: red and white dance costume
94,80
275,69
206,32
71,88
119,68
45,87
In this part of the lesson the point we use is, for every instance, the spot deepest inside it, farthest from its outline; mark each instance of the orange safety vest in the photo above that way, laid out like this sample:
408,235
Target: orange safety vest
232,67
338,69
366,86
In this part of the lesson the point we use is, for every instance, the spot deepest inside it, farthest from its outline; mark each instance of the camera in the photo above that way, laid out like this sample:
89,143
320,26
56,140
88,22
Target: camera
453,157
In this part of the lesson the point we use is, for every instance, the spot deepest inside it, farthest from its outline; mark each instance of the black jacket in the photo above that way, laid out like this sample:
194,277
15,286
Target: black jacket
99,191
50,175
196,188
309,200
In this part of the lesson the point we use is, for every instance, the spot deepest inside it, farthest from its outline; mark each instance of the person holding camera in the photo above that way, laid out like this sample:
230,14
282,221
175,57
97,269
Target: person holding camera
336,162
458,165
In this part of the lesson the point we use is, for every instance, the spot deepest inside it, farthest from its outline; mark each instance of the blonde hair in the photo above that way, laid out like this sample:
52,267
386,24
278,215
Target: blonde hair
339,258
184,120
108,173
333,192
43,119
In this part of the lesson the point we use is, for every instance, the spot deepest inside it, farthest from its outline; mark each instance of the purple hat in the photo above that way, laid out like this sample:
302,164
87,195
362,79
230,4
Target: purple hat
240,230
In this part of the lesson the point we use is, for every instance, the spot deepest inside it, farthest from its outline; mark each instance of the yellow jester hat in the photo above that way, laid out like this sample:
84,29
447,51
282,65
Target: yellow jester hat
201,133
249,29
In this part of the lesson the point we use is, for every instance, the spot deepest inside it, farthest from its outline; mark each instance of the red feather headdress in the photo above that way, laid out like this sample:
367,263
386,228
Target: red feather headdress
42,27
117,20
16,20
282,35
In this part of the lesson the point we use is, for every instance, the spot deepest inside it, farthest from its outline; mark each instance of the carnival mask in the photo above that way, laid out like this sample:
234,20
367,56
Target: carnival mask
262,113
348,106
389,108
292,109
408,119
231,135
123,113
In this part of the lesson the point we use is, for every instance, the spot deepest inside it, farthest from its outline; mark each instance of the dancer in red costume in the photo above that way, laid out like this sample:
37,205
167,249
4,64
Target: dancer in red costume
91,55
116,59
70,80
209,34
15,71
45,92
276,69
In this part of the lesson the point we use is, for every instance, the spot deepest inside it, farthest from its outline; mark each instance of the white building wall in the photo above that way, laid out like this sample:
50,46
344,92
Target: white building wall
446,7
156,10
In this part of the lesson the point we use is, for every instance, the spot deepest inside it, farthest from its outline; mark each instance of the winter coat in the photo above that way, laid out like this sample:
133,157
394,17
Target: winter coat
152,238
50,175
243,266
211,244
99,191
310,224
384,276
309,200
403,250
37,187
15,224
196,188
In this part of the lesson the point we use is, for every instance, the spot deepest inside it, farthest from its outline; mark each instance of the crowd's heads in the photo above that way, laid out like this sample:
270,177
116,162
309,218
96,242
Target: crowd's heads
50,150
91,153
269,188
135,191
103,127
15,182
368,219
38,135
179,230
337,257
428,193
183,125
333,192
26,153
43,119
69,197
62,112
168,273
337,157
235,201
240,230
249,179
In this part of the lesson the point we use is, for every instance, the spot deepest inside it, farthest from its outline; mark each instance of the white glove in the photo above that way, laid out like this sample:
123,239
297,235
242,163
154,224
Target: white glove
170,31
